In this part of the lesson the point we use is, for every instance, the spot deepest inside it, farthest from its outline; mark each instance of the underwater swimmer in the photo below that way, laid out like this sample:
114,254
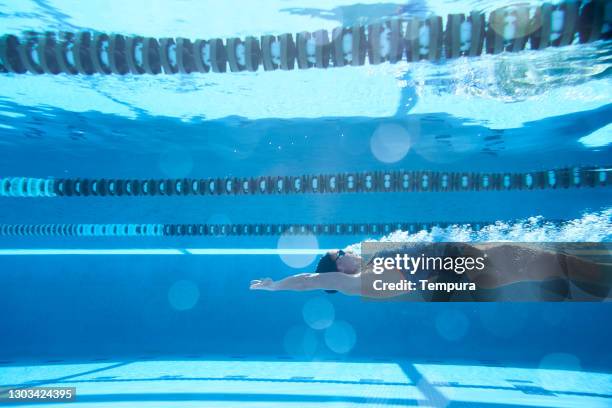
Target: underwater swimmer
337,271
341,271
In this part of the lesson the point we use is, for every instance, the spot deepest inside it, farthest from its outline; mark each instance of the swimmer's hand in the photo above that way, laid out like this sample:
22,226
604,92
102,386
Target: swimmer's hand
262,284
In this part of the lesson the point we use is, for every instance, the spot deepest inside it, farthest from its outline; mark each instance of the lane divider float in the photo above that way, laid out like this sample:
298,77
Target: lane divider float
359,182
512,28
178,230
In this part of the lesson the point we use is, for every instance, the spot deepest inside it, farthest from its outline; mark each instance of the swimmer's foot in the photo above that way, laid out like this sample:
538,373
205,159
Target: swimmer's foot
262,284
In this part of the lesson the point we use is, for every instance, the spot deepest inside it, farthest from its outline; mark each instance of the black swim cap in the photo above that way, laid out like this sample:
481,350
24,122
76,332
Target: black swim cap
327,264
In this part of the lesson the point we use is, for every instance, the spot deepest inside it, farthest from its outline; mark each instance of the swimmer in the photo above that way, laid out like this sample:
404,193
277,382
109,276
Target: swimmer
337,271
341,271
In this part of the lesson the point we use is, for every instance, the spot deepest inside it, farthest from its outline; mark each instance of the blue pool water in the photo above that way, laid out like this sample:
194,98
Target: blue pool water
170,321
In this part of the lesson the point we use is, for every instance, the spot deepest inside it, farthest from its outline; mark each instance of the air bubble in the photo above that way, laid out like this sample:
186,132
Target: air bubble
340,337
289,242
452,325
390,143
318,313
183,295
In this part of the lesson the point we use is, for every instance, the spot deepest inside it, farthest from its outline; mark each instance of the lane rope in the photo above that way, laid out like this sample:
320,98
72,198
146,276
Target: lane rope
178,230
512,28
362,182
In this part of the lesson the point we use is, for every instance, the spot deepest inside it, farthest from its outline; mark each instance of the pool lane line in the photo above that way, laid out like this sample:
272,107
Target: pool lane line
404,38
223,230
396,181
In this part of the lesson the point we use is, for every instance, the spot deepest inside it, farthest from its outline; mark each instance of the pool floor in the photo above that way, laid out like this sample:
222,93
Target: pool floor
280,381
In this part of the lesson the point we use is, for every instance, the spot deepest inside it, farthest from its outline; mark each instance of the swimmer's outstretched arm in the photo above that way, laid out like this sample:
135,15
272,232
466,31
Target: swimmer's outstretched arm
347,284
